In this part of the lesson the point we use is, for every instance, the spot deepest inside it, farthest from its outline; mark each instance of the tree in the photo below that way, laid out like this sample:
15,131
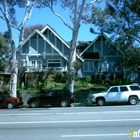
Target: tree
120,19
78,12
4,53
30,29
8,14
132,57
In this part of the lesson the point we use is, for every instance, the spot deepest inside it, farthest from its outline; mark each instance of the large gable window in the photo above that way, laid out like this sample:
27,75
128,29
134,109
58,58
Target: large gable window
54,63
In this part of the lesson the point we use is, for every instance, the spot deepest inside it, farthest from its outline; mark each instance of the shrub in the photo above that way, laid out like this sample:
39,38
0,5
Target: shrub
118,81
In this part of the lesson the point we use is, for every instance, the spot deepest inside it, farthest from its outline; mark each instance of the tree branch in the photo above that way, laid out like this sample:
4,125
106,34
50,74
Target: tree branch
71,18
61,18
81,10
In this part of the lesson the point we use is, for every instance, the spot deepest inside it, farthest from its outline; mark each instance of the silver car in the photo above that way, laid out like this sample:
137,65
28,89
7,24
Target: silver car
123,93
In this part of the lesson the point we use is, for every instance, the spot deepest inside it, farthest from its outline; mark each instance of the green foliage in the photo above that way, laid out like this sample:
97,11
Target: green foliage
132,57
60,77
4,51
30,29
118,18
118,81
5,89
85,79
98,81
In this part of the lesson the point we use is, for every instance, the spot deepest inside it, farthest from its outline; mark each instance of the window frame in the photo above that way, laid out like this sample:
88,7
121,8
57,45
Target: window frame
53,62
88,69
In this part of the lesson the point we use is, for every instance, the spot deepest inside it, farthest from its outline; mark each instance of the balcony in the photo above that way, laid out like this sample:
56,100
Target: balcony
40,69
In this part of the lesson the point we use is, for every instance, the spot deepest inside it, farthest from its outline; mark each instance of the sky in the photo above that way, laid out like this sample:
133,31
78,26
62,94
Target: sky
45,16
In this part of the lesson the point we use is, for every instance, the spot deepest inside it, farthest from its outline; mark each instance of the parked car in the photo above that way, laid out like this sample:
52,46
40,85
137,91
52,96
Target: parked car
52,97
123,93
10,102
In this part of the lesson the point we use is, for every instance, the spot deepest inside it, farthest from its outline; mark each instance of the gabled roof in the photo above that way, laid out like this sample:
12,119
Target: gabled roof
96,40
63,41
45,38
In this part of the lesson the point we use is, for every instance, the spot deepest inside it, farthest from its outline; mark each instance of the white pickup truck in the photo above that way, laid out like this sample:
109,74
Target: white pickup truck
123,93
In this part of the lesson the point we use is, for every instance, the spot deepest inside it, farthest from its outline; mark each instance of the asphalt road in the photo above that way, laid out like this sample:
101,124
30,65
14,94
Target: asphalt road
72,123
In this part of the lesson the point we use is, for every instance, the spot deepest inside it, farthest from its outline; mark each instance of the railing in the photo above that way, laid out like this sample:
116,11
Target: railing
32,69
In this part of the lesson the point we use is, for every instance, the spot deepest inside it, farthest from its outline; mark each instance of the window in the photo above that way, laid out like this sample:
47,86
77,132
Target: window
33,63
54,63
39,65
48,94
57,93
36,64
123,89
88,66
134,88
114,89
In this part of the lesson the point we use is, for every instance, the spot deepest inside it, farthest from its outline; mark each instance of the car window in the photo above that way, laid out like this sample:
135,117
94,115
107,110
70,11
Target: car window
57,93
3,97
124,88
134,88
66,92
114,89
48,94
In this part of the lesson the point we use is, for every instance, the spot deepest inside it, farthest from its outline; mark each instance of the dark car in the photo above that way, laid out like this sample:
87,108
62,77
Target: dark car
10,102
52,97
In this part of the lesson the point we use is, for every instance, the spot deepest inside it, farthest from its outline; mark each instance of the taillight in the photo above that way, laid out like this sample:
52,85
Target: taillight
72,97
18,100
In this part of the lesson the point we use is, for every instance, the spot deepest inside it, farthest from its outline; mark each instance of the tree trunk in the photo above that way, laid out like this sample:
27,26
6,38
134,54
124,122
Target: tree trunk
72,59
14,72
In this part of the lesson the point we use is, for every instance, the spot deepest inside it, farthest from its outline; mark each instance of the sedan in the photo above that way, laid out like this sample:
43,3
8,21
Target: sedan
10,102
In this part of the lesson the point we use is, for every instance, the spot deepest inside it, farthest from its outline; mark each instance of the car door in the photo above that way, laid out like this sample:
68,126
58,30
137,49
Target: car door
47,98
1,100
112,94
57,96
123,96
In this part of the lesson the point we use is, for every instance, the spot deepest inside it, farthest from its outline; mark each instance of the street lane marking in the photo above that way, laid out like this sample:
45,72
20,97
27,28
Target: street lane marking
94,135
71,113
70,121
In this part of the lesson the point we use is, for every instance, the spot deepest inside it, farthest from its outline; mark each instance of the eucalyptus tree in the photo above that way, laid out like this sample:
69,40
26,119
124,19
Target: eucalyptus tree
4,53
78,12
30,29
120,19
8,10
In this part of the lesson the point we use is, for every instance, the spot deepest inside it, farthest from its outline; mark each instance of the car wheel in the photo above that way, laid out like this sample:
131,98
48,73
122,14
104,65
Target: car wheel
64,103
10,105
100,102
34,104
133,100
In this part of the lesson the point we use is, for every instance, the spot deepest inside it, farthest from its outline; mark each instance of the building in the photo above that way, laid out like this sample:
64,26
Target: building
46,50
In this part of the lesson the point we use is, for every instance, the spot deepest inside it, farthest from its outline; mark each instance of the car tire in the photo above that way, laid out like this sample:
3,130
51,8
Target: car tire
100,102
64,103
10,105
133,100
34,104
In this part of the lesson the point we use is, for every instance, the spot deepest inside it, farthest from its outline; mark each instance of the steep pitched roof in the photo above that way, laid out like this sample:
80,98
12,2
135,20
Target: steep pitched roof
96,40
47,40
63,41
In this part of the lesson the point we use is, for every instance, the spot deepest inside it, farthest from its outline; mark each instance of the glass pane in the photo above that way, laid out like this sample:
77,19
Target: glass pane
135,87
114,89
39,64
49,94
91,66
86,66
123,89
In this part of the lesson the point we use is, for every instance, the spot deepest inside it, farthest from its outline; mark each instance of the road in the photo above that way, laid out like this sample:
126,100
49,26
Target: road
72,123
